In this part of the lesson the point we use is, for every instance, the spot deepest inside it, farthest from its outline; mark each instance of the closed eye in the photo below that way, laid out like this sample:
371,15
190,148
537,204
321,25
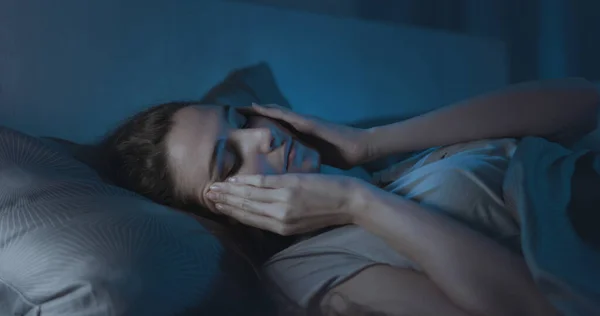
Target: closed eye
233,161
237,119
246,124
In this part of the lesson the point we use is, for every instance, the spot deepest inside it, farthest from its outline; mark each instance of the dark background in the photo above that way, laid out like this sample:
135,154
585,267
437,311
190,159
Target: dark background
545,38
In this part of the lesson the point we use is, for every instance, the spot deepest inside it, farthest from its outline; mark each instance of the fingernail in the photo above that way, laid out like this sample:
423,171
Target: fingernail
215,187
211,195
219,206
233,179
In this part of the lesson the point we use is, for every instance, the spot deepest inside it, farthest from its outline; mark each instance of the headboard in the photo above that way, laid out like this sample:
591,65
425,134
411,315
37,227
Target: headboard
74,70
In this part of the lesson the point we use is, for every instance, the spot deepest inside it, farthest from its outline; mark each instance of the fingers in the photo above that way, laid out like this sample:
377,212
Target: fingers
275,112
272,107
299,122
249,192
271,110
272,210
284,228
251,219
266,181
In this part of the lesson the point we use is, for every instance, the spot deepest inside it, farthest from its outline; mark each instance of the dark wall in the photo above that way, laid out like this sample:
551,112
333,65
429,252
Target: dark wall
545,38
74,70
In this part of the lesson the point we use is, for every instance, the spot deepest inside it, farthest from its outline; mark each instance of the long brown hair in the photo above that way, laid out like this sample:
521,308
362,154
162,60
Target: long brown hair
135,154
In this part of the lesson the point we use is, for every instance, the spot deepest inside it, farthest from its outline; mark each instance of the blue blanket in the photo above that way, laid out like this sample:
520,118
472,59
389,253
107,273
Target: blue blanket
556,192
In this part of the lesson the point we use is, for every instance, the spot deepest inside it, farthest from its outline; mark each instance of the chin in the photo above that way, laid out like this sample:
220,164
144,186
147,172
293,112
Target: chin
313,161
315,166
310,163
302,159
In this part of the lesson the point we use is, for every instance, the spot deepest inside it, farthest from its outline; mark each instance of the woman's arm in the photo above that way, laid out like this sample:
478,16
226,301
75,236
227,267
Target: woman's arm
477,274
530,109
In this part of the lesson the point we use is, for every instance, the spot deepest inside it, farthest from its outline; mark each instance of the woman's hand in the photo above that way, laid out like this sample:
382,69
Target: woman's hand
291,203
340,146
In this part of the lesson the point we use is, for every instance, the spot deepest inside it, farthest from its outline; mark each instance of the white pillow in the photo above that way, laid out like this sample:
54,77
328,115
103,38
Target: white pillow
71,244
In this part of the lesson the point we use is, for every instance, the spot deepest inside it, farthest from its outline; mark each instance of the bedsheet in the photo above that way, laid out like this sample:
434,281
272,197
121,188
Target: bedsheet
556,193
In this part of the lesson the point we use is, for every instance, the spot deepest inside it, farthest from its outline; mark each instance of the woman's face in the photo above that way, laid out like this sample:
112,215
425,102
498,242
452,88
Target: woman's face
208,144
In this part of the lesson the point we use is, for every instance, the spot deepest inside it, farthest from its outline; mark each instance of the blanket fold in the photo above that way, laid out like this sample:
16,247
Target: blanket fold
556,193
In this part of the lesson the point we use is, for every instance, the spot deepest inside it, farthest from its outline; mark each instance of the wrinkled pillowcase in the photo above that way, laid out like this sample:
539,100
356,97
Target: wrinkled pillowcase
70,244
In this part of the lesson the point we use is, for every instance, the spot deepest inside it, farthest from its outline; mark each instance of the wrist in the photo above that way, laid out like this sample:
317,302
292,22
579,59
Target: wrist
369,145
361,199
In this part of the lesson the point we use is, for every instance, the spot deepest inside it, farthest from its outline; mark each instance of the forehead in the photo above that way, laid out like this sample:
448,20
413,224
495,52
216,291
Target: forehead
195,124
191,141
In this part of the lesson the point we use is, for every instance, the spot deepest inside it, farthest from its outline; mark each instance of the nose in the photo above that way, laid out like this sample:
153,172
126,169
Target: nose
263,139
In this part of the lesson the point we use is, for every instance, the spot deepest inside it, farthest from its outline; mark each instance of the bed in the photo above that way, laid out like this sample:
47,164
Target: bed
71,244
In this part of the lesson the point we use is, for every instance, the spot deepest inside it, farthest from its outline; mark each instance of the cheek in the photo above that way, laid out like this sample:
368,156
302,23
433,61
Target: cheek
259,165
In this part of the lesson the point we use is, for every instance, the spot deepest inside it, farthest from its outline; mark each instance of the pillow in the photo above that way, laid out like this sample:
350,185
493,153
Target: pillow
71,244
590,141
246,85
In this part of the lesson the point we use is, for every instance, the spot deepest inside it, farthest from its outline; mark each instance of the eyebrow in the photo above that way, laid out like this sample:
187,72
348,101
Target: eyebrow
218,148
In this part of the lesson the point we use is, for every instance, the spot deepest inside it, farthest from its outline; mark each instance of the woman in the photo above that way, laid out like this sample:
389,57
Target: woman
397,253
